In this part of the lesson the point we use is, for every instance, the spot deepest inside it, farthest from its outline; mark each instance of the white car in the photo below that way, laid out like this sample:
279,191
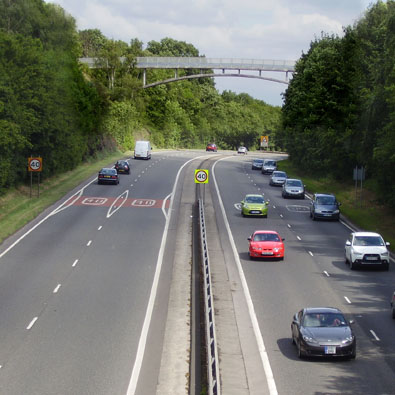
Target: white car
366,248
242,150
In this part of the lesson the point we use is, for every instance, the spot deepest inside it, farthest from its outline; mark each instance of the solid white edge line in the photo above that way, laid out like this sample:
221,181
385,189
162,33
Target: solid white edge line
33,321
55,211
148,314
258,335
347,300
57,288
374,335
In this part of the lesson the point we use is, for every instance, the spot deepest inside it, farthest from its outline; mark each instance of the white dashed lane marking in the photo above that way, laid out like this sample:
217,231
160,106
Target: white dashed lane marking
298,237
374,335
99,228
89,243
311,253
57,288
326,273
33,321
75,262
347,300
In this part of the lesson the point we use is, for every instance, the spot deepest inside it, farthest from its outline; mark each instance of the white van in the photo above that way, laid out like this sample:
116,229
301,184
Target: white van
142,149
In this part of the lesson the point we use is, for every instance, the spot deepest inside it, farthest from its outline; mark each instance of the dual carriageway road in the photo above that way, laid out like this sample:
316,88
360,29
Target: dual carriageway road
75,291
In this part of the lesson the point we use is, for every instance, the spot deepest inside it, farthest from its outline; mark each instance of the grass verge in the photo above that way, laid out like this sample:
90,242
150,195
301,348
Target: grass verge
366,212
17,208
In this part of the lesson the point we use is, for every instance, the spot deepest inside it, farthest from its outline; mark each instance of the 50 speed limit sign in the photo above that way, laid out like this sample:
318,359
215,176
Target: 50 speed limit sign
201,176
35,164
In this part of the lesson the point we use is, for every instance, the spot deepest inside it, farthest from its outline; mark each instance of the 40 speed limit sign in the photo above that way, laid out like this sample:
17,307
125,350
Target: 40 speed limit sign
35,164
201,176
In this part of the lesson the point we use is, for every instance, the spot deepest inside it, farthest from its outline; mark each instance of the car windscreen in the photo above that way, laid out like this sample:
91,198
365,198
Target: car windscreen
279,174
368,241
326,200
270,163
255,199
266,237
258,161
324,320
294,183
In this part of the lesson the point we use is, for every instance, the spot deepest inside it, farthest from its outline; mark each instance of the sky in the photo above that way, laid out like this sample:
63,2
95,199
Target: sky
246,29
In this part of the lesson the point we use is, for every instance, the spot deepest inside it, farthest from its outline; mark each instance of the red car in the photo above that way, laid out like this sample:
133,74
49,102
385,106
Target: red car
266,244
211,147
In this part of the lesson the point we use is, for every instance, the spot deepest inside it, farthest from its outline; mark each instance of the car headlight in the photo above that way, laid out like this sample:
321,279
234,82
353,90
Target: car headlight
336,212
318,211
309,339
276,249
348,340
385,253
246,206
257,248
356,253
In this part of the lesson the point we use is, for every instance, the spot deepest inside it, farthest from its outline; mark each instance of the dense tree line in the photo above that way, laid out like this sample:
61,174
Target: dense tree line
339,109
54,107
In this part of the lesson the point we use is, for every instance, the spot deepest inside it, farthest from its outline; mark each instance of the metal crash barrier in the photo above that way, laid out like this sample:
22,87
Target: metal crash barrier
211,344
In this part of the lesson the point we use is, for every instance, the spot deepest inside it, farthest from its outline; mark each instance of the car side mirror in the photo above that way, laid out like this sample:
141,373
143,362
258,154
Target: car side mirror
249,238
351,322
295,319
282,239
339,204
242,202
348,243
387,243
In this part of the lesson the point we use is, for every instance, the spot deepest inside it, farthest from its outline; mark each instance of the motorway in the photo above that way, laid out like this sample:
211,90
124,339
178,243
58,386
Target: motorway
85,288
313,273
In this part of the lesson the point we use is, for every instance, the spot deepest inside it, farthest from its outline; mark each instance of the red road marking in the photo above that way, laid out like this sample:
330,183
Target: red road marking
130,202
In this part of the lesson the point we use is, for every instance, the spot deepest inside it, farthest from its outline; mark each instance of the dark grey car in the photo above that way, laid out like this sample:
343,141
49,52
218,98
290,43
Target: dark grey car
324,206
293,187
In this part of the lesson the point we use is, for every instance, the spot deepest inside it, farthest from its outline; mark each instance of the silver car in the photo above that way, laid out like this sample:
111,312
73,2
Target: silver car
293,187
269,165
278,178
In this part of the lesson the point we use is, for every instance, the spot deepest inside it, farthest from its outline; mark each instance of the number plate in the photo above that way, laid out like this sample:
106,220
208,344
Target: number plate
371,258
267,253
255,212
330,349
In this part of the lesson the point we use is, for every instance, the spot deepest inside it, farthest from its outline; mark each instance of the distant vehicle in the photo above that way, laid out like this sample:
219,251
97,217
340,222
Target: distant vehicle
324,206
265,244
211,147
257,164
142,150
366,249
254,204
269,166
293,187
108,176
323,332
242,150
122,166
278,178
393,305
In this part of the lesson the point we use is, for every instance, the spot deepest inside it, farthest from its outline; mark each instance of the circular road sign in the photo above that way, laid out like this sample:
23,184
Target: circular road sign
201,176
35,164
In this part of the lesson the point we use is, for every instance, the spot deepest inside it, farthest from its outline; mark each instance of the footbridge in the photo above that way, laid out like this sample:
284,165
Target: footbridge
229,67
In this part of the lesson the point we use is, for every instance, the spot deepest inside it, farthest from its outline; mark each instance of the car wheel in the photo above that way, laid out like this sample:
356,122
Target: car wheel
293,339
265,216
354,354
300,354
242,214
251,257
303,196
313,216
386,266
352,265
393,312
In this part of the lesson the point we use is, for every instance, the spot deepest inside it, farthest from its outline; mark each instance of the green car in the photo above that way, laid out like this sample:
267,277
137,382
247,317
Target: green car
254,205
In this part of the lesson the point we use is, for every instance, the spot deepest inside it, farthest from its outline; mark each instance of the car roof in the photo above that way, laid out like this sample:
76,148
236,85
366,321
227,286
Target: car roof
279,171
266,231
366,234
254,194
316,310
324,194
293,179
260,160
107,169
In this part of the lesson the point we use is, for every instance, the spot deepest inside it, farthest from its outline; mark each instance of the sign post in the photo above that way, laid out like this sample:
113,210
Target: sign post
201,177
34,164
358,175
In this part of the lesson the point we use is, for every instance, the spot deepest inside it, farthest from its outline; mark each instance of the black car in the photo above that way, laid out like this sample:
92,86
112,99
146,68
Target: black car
122,166
108,176
323,332
324,206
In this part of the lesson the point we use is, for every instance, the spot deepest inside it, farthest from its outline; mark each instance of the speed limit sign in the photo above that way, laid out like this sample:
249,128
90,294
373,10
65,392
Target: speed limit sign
35,164
201,176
